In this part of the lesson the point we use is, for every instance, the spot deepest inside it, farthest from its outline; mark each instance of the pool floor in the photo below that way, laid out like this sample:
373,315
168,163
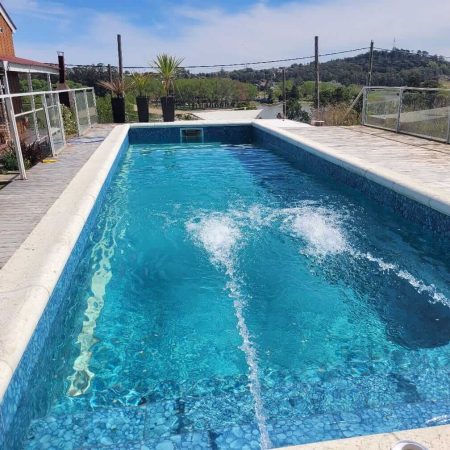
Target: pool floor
227,299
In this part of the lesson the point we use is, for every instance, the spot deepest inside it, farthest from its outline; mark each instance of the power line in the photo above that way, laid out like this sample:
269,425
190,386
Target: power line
409,51
250,63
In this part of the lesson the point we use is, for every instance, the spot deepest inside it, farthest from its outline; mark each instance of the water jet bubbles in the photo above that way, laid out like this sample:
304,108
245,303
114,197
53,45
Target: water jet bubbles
320,229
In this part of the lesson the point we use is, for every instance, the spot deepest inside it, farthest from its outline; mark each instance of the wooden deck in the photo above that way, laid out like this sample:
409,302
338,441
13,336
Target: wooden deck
24,203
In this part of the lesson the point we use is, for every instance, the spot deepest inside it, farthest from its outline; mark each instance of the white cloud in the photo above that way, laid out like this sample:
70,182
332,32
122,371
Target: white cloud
261,32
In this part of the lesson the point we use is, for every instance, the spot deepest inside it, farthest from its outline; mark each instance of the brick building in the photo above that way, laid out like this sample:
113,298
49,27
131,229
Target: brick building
11,68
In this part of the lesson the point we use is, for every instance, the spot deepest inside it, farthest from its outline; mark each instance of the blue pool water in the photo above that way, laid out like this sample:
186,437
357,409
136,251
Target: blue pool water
227,299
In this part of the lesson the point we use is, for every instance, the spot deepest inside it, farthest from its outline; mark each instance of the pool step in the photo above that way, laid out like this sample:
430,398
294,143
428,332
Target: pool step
286,392
155,427
306,429
347,406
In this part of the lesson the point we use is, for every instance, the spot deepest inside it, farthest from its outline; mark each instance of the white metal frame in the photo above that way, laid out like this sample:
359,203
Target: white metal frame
12,116
400,91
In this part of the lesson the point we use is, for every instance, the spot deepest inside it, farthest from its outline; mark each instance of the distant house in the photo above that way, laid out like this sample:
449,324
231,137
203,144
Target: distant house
11,69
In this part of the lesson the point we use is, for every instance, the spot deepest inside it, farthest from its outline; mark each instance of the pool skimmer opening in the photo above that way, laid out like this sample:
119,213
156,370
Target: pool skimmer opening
191,135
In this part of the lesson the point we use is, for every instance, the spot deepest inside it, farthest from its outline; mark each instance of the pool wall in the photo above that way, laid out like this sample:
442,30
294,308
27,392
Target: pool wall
37,277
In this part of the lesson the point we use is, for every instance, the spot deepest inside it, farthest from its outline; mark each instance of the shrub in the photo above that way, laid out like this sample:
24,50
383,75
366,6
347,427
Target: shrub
70,124
32,154
104,109
338,115
294,111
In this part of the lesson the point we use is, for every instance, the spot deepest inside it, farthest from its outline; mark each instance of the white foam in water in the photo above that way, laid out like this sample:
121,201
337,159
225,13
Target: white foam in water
322,230
418,285
219,235
319,228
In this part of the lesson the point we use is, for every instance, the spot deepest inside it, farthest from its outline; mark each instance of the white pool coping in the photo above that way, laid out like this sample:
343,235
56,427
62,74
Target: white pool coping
432,438
27,280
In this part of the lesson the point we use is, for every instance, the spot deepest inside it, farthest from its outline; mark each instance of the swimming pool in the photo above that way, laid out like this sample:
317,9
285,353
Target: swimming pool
226,298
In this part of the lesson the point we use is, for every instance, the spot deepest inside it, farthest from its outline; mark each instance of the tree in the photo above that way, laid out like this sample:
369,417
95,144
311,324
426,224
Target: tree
294,111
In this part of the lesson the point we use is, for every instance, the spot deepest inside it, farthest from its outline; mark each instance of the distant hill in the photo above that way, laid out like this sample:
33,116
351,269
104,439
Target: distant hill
390,68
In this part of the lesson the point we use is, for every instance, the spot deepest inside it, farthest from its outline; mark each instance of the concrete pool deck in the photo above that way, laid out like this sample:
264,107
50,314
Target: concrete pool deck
434,438
51,208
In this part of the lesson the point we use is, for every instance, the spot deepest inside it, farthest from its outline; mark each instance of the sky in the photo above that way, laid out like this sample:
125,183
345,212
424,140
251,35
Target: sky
222,31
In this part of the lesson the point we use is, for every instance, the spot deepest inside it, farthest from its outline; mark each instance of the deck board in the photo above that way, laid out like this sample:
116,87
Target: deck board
24,203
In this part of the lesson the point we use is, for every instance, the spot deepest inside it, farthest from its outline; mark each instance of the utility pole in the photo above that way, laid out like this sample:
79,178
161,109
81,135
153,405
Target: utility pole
284,93
369,74
316,68
109,73
119,50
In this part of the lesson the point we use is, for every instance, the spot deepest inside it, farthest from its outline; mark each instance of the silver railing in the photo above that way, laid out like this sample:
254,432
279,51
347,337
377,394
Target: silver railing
30,117
422,112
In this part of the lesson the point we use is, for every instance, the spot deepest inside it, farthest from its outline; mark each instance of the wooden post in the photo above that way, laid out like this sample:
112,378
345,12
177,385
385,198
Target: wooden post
109,73
284,93
119,50
369,74
316,68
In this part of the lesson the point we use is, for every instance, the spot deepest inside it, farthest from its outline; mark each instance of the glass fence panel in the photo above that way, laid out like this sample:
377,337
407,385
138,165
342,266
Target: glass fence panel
425,113
92,108
55,126
28,133
34,138
83,111
382,108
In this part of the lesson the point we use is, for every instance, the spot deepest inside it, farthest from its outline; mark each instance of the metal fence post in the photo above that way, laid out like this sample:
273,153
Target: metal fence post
399,112
87,108
94,100
61,121
49,125
364,108
448,127
33,106
76,113
15,131
16,138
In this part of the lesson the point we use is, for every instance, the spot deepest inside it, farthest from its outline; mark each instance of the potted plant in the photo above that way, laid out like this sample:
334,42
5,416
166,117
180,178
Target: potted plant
141,86
117,87
167,67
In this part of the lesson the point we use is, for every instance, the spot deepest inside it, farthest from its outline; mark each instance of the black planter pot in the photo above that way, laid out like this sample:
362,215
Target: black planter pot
142,108
118,109
168,108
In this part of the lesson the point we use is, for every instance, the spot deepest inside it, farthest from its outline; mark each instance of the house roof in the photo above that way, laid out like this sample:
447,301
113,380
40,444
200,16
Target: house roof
16,64
8,19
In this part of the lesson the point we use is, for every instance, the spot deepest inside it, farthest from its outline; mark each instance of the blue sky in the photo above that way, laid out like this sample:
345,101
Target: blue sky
221,31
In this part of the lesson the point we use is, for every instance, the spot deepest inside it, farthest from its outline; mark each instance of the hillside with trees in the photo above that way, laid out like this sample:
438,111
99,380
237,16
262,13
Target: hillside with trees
390,68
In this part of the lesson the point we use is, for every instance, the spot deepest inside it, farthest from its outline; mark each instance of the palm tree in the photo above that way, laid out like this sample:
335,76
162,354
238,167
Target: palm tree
117,86
167,69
